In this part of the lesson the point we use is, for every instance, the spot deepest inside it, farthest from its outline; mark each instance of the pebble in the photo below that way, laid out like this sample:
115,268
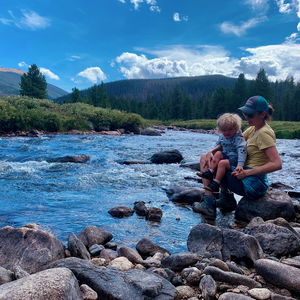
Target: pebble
260,293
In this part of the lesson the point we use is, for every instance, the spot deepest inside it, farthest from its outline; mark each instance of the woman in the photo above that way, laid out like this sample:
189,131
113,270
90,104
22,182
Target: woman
262,158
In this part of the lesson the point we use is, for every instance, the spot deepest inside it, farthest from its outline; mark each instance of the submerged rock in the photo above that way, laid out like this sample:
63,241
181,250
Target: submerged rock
121,211
30,248
167,157
70,159
91,235
273,205
140,208
154,214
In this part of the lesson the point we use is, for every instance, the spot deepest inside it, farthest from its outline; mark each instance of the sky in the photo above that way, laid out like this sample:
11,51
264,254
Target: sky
79,43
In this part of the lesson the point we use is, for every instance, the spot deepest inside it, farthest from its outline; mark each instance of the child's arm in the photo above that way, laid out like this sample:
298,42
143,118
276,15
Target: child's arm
241,148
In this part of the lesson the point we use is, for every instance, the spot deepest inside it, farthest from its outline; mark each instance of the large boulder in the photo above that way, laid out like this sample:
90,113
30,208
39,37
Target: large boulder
188,196
131,254
54,284
223,244
167,157
279,274
275,240
273,205
70,158
113,284
77,248
30,248
91,235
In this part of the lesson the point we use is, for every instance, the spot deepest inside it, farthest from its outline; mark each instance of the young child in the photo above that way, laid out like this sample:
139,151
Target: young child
229,152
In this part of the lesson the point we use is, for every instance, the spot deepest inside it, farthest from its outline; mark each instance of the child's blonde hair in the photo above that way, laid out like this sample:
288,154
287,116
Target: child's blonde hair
228,121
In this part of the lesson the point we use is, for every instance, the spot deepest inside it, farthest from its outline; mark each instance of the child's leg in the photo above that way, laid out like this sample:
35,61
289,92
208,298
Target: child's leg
218,156
223,166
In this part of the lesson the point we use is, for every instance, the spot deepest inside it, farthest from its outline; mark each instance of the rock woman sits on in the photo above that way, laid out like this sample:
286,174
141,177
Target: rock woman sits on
262,158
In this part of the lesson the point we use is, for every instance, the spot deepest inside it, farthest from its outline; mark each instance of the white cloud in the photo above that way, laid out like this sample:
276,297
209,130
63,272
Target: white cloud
23,64
279,61
261,5
229,28
28,20
74,57
49,74
136,4
178,18
93,74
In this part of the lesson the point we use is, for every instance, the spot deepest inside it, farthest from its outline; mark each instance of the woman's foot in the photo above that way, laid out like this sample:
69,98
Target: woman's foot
207,207
214,187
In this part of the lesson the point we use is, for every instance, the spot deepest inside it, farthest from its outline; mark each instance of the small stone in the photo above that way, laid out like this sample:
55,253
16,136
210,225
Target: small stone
140,267
6,275
99,262
219,264
122,263
96,249
111,245
88,293
184,292
208,287
260,293
19,272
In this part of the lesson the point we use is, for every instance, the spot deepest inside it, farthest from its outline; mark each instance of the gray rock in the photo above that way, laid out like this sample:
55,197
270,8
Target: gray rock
188,196
77,247
88,293
206,238
234,296
96,249
119,285
273,205
140,208
219,264
121,211
275,240
131,254
30,248
111,245
260,293
54,284
166,157
234,268
279,274
280,297
151,132
19,272
230,277
154,214
177,262
160,271
91,235
108,254
208,287
6,275
192,165
184,292
147,248
70,159
293,261
191,276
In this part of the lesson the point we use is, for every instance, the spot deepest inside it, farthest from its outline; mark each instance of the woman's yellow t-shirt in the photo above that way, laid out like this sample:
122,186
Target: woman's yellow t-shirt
257,141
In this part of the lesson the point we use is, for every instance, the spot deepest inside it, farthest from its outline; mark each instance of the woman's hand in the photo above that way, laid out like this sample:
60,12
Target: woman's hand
240,174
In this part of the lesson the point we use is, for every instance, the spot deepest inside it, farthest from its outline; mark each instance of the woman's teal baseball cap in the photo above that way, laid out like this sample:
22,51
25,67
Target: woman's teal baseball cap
255,104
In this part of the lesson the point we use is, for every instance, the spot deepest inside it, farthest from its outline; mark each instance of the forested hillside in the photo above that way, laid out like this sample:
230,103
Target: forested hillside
189,99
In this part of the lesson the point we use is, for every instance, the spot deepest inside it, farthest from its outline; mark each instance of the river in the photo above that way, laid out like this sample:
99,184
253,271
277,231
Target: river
64,197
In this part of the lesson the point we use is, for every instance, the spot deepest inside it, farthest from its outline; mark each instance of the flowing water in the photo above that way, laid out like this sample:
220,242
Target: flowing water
65,197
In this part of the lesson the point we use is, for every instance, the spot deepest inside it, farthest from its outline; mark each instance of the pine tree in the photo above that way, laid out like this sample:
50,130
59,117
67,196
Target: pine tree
33,83
75,95
262,85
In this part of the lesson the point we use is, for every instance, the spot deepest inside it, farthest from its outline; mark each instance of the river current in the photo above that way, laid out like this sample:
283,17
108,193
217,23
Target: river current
65,197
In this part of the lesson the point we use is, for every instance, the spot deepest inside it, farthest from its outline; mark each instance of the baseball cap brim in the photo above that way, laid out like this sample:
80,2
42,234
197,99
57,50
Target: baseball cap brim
247,110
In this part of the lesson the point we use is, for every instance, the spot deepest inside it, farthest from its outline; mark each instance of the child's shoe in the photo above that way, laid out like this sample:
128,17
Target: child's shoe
213,187
208,174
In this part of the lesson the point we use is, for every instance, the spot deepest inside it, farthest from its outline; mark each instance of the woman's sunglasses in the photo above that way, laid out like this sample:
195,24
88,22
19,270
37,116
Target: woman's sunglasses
249,116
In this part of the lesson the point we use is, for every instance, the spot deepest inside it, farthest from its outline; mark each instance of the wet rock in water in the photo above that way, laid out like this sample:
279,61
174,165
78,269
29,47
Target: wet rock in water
140,208
88,293
154,214
146,248
167,157
188,196
273,205
184,292
208,287
131,254
279,274
260,293
57,283
205,238
191,276
121,263
121,285
108,254
70,159
19,272
91,235
151,132
32,249
192,165
6,275
136,162
234,296
95,249
177,262
77,248
280,185
230,277
275,240
121,211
